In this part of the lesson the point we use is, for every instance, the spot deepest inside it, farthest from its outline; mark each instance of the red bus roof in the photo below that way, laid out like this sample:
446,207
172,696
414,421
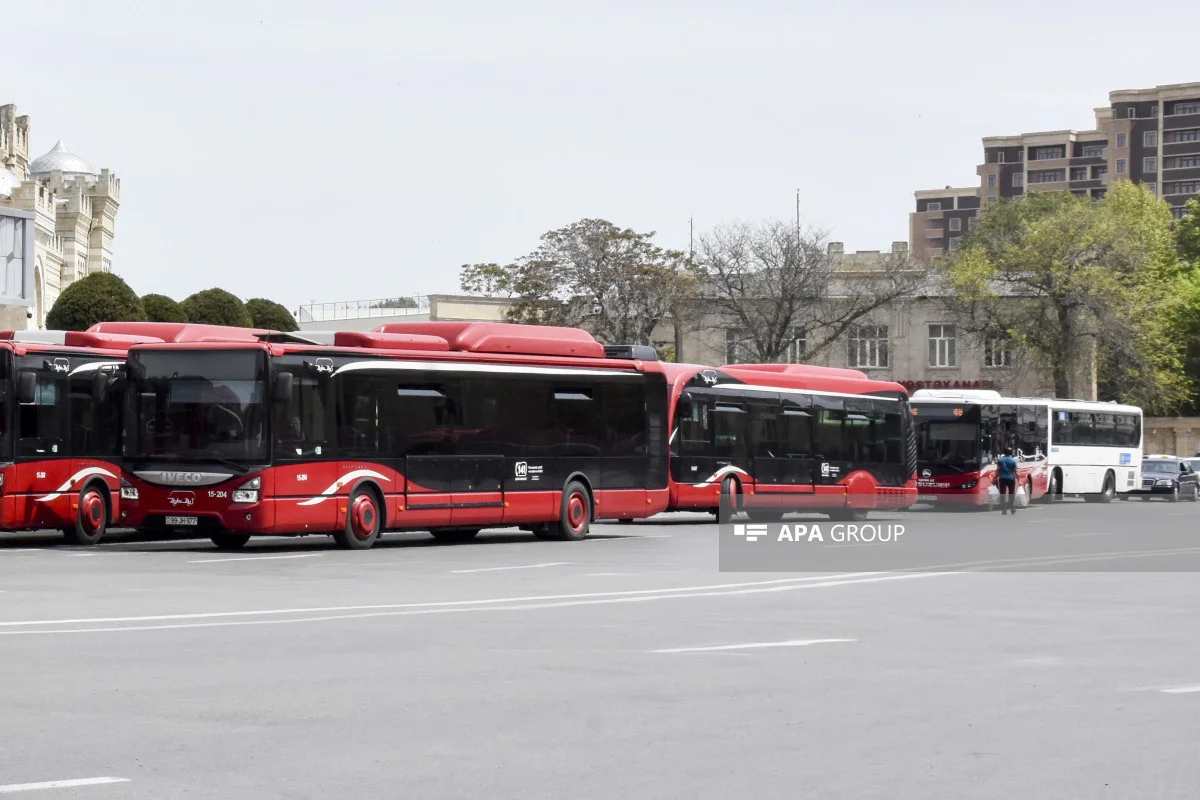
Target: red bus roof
800,369
181,331
504,337
814,379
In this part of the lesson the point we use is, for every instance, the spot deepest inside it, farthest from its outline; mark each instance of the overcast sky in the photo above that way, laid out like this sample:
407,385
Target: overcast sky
314,150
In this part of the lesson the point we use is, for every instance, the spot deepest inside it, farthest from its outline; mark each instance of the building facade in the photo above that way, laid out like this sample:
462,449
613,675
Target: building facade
1148,136
73,207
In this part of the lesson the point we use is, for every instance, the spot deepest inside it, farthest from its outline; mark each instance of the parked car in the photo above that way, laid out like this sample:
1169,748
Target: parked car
1170,477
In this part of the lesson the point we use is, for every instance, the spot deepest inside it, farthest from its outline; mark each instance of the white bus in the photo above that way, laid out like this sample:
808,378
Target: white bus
1063,447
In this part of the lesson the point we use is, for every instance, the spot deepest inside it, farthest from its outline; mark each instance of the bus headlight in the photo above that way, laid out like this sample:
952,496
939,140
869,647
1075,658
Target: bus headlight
970,484
248,491
128,490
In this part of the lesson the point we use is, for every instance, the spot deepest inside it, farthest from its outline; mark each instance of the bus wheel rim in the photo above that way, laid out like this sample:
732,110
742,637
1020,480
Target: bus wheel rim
576,511
92,511
362,517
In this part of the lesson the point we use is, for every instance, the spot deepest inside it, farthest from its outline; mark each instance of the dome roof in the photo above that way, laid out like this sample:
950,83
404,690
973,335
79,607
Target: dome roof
61,159
8,182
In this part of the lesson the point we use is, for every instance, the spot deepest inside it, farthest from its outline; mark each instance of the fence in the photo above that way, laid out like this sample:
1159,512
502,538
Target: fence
363,309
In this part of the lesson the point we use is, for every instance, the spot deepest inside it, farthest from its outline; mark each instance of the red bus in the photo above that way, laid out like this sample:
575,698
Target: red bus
774,438
448,427
60,431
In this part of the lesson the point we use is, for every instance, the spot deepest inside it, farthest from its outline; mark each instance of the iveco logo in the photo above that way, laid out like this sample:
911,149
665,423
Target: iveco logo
181,498
926,473
182,477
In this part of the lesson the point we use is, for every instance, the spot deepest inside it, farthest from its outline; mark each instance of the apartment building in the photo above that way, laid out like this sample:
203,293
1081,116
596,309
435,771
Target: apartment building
1149,136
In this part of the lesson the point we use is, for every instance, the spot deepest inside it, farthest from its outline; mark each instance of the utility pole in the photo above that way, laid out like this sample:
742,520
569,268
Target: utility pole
797,215
691,238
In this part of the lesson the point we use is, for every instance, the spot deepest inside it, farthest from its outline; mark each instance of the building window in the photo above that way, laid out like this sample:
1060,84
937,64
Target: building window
1150,139
1079,173
1190,135
1099,172
1150,164
1046,153
997,351
869,346
1079,192
1183,162
992,181
1131,112
1048,176
1122,140
934,207
993,199
1179,212
1098,194
956,223
955,243
1152,187
1018,179
1154,110
1093,151
1186,107
797,349
1122,166
941,346
1184,187
1000,157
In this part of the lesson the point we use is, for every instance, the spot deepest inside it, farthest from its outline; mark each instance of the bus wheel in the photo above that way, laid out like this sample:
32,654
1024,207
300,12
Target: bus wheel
362,522
848,515
453,535
1106,494
92,520
576,517
228,540
764,515
726,503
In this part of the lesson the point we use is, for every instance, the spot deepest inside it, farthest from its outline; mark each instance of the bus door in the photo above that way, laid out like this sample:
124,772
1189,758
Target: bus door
782,438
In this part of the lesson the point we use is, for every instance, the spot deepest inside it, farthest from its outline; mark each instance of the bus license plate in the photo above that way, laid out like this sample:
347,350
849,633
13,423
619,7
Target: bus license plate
183,521
927,498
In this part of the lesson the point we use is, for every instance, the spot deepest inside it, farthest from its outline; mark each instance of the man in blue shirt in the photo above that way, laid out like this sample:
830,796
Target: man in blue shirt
1006,477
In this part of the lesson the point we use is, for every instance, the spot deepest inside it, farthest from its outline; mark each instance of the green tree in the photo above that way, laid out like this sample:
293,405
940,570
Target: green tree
1187,239
1084,288
614,282
98,297
270,315
216,307
160,308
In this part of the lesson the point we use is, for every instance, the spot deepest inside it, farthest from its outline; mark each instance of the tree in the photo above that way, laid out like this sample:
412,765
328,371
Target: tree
1187,239
775,284
216,307
160,308
98,297
270,315
1082,287
614,282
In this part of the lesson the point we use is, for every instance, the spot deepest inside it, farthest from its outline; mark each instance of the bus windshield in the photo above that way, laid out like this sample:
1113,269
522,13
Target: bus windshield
948,444
195,405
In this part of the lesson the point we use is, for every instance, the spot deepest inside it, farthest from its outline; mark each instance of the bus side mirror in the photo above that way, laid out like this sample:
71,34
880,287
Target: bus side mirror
282,391
26,387
99,386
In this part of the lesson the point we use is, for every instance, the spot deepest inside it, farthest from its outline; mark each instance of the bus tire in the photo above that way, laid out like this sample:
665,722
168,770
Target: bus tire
575,519
848,515
1106,493
91,521
1054,487
455,535
727,504
764,515
362,521
228,540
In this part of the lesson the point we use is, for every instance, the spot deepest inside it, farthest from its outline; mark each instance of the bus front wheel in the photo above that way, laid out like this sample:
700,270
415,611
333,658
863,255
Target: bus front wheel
91,521
227,540
362,522
575,519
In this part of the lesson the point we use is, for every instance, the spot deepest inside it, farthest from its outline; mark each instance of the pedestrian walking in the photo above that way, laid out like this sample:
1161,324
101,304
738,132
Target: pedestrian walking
1006,475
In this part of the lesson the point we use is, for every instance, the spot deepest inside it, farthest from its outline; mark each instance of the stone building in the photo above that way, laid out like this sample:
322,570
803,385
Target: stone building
74,209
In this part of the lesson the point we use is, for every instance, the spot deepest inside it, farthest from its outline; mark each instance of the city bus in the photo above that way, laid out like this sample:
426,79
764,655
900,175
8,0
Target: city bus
1062,447
768,439
60,431
435,426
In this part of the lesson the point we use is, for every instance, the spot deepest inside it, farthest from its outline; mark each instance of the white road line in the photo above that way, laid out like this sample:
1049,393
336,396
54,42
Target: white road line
1181,690
1080,535
13,788
459,606
502,569
753,645
254,558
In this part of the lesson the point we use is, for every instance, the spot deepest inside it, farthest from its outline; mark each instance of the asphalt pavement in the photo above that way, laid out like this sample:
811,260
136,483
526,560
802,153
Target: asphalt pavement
622,666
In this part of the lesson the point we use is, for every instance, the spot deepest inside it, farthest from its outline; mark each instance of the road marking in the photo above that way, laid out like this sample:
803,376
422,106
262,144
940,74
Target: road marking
1181,690
459,606
13,788
753,645
254,558
1080,535
521,566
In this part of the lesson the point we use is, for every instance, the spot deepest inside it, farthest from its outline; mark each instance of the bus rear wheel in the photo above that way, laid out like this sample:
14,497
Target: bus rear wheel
362,522
575,519
1107,493
227,540
848,515
455,535
91,521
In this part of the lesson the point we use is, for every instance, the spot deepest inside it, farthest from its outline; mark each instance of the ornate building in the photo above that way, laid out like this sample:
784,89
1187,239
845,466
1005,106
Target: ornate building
74,211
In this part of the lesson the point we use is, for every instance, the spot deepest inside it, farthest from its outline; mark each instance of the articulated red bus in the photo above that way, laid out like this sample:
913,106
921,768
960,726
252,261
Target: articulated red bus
439,426
775,438
60,431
